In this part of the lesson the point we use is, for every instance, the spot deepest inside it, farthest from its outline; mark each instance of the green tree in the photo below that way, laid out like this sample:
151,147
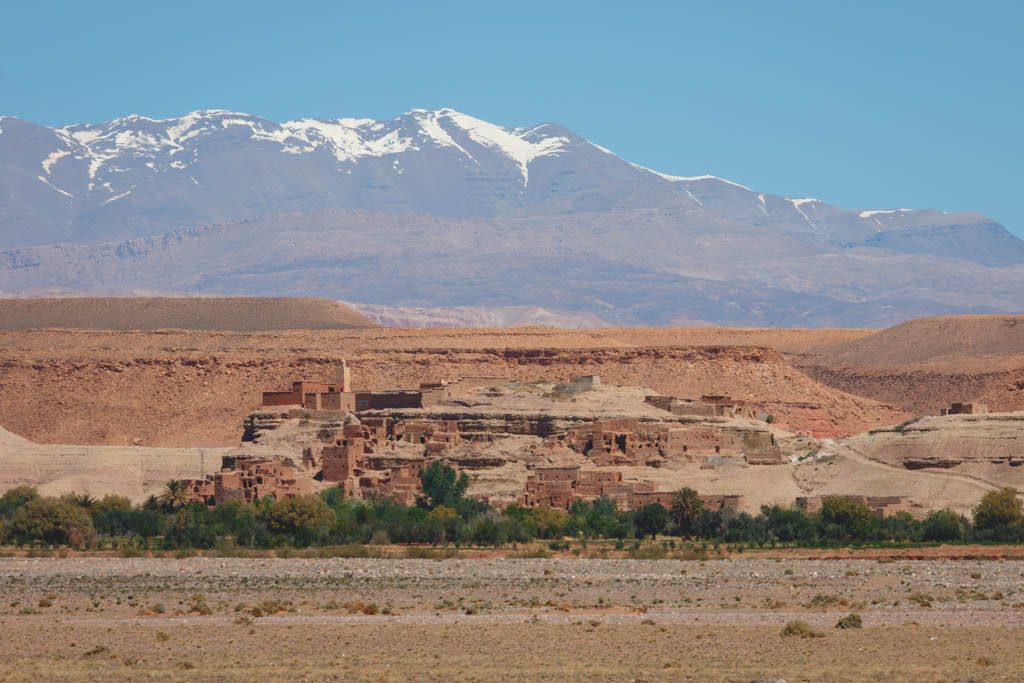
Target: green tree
651,519
111,502
54,522
15,498
998,509
334,497
82,500
174,495
441,486
685,510
943,525
548,520
844,512
302,513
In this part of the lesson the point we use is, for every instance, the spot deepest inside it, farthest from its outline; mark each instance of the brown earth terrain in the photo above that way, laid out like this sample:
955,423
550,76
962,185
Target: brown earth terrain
222,618
924,365
190,388
240,314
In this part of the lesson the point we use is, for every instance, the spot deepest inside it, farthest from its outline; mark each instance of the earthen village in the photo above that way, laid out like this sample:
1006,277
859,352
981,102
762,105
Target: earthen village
540,443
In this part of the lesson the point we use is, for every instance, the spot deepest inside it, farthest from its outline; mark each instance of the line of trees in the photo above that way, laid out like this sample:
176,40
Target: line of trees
443,515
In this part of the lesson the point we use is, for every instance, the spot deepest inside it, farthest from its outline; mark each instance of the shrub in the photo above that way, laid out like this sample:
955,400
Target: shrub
850,621
800,628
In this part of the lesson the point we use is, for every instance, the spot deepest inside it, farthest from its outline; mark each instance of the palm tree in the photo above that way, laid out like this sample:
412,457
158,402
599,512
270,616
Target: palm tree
84,500
686,511
174,495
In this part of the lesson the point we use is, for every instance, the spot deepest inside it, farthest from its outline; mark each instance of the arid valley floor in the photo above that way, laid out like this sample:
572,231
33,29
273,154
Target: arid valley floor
508,619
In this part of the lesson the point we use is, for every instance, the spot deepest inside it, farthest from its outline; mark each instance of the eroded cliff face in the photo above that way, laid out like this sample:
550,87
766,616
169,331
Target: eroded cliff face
174,388
988,449
132,471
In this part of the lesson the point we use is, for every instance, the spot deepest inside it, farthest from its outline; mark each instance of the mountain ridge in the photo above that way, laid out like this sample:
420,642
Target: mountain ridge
439,209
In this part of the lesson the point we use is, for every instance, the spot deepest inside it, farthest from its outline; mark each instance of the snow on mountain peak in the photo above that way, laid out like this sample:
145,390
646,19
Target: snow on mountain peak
509,141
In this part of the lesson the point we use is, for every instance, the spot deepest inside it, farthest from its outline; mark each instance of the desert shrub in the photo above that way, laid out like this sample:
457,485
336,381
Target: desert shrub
800,628
420,553
824,600
648,552
850,621
921,599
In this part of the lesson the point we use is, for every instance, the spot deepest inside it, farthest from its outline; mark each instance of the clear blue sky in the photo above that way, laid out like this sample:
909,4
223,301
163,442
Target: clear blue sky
862,104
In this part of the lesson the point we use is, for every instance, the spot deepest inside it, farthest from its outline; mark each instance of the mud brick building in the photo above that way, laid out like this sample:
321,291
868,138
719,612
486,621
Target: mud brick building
560,487
880,506
247,479
966,409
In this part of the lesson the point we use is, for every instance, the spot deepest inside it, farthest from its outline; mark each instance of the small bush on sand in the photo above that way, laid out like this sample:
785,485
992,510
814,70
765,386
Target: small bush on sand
799,627
850,621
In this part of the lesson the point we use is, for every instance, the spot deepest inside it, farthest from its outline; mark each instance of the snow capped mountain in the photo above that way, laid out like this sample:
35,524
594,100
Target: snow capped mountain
161,144
136,202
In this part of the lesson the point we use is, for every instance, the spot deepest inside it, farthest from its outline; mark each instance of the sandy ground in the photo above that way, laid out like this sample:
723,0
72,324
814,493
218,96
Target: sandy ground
507,619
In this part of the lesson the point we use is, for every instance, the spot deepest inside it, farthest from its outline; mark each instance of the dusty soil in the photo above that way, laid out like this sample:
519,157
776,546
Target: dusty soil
924,365
181,388
241,314
511,619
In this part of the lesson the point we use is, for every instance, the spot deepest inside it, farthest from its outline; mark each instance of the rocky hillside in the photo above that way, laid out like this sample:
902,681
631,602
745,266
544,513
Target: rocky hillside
924,365
180,388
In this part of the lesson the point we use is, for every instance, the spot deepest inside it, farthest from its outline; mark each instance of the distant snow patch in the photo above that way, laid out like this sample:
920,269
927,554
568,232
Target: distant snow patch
869,214
797,203
764,207
66,194
689,179
53,157
115,198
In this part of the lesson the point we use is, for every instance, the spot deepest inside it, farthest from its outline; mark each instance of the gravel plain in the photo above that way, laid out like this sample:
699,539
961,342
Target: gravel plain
211,618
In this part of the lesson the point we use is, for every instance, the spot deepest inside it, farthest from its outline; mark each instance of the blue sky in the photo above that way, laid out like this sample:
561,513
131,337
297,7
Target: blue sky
861,104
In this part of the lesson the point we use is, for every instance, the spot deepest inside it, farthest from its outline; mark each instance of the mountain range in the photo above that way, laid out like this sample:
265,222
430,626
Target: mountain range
438,210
